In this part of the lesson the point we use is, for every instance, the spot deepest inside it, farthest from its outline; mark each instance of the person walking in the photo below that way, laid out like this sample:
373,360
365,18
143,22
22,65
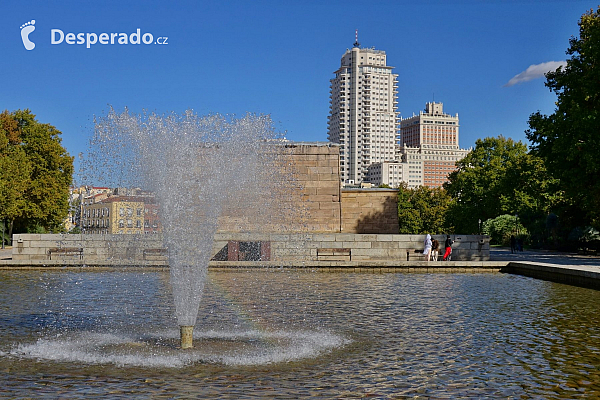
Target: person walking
513,244
435,249
448,246
427,244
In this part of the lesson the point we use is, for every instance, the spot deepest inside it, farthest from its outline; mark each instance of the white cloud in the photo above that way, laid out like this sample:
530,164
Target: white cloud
535,71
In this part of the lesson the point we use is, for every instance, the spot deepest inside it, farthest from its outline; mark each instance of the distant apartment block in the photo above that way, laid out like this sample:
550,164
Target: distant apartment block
113,215
363,117
76,199
105,213
151,218
391,173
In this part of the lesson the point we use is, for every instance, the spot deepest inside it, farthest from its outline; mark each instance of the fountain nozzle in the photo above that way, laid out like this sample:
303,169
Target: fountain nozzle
186,336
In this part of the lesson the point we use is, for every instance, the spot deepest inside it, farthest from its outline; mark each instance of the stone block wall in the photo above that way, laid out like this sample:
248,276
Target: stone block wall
104,248
301,193
311,200
316,175
370,211
283,248
373,247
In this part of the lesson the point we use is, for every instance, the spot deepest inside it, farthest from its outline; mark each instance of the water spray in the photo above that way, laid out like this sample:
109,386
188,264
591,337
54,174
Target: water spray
191,163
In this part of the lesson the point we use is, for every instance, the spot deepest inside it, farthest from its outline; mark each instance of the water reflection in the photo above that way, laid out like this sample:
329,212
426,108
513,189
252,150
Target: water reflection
392,335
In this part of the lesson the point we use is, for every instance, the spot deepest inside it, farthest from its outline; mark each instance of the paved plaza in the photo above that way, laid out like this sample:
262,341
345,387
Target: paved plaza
544,256
6,254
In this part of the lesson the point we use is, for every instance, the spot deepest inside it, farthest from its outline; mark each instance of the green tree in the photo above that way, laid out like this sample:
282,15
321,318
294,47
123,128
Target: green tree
499,177
568,139
15,170
35,172
409,218
422,210
502,227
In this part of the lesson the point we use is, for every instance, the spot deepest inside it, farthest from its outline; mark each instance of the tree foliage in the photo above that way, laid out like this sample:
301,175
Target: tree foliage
35,172
502,227
422,210
568,139
499,177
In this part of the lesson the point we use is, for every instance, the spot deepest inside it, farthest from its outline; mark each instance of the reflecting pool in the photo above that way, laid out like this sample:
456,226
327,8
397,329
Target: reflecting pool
298,334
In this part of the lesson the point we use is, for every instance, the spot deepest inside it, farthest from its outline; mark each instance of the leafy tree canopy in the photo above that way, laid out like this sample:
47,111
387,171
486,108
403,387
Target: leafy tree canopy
568,139
422,210
35,172
499,177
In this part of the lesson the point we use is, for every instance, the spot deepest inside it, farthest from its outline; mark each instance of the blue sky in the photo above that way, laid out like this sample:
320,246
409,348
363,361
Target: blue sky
276,57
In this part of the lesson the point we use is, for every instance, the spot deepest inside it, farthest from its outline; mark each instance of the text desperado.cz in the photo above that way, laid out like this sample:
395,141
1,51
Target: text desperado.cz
57,36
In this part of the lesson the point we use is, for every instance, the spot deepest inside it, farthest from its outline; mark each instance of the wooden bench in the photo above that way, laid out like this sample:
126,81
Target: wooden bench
341,254
66,251
154,254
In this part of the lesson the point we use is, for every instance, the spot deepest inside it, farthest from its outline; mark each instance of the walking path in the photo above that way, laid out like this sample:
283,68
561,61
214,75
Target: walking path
568,268
544,256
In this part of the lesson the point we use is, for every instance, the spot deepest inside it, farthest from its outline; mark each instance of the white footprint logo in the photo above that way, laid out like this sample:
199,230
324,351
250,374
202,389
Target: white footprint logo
26,29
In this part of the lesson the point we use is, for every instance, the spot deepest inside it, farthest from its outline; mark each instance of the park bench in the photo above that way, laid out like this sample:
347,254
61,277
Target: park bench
66,251
154,254
329,254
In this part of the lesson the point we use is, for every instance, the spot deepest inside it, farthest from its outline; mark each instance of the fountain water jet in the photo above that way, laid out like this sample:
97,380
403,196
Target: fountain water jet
196,166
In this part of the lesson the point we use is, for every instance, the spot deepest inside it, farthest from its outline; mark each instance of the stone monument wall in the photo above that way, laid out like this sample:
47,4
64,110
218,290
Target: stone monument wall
306,200
310,200
370,211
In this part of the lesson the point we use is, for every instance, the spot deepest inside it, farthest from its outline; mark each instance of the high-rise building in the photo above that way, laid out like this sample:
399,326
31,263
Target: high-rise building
363,117
431,126
430,146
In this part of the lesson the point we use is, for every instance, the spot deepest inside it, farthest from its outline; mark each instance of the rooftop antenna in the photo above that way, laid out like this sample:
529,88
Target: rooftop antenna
356,44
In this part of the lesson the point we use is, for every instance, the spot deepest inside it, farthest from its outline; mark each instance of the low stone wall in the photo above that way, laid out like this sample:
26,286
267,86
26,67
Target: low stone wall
373,247
283,248
55,248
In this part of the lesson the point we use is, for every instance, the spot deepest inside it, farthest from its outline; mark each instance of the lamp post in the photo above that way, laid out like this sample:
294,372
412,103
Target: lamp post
480,226
517,224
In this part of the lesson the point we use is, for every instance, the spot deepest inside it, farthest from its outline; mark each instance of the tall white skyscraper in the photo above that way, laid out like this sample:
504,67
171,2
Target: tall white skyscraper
363,115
